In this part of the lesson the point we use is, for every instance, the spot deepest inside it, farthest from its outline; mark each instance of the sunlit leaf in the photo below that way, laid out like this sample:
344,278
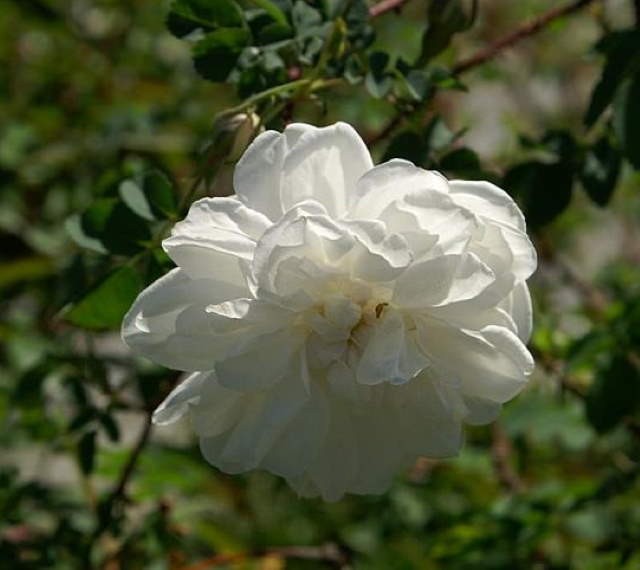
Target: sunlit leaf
106,304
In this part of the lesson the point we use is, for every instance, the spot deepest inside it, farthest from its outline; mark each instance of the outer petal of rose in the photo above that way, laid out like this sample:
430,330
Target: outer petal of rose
215,235
257,175
336,464
427,413
324,164
461,316
176,404
441,281
525,258
263,418
497,209
491,364
518,305
370,441
487,200
168,322
275,352
481,411
299,444
388,182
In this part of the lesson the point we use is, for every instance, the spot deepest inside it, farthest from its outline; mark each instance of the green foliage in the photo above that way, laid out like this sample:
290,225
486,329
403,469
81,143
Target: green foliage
444,20
105,305
622,51
110,135
150,196
614,394
600,171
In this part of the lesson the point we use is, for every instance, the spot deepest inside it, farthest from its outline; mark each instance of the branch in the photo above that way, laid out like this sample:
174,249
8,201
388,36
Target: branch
501,455
330,553
391,126
385,6
118,494
523,31
119,491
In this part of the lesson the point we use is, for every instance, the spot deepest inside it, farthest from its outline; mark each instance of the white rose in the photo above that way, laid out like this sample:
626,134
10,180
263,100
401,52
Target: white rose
339,319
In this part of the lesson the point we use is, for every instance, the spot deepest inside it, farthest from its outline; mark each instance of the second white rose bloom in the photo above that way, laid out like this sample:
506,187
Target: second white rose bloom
339,319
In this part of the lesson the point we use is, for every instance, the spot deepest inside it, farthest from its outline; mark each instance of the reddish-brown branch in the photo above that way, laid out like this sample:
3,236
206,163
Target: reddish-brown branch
385,6
523,31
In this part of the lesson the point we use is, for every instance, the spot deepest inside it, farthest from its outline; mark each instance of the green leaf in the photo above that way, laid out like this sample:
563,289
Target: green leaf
84,417
119,229
73,226
273,32
216,54
408,145
542,189
622,49
304,17
586,350
104,306
185,16
87,452
444,19
626,120
377,81
28,390
417,84
600,170
438,135
462,161
273,10
110,426
614,394
151,196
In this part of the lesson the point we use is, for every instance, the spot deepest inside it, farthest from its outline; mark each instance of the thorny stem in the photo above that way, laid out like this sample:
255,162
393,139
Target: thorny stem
523,31
487,53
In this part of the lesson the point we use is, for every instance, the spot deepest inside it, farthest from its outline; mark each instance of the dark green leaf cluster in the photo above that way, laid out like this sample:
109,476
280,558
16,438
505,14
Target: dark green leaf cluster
122,221
610,352
259,44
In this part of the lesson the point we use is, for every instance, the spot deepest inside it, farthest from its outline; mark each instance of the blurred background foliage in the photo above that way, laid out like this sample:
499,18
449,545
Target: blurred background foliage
115,115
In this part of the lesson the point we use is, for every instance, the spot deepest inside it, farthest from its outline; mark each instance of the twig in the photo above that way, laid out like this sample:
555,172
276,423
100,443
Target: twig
521,32
330,553
118,494
119,490
501,455
385,6
391,126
